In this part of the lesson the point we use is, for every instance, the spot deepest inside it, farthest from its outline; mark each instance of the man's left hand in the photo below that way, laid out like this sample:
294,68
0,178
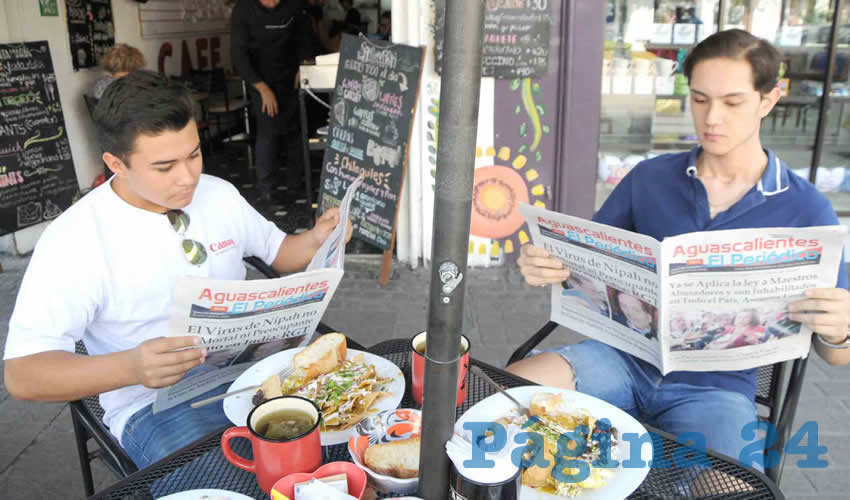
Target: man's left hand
325,226
826,311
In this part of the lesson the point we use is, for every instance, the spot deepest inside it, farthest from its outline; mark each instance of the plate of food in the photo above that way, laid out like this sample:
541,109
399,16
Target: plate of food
347,385
558,411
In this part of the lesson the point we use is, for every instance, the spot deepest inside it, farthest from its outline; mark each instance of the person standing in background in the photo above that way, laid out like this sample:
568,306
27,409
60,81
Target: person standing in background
268,41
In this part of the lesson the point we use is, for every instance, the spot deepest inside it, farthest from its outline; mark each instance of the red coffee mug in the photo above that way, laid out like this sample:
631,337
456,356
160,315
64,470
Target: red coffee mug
418,368
276,458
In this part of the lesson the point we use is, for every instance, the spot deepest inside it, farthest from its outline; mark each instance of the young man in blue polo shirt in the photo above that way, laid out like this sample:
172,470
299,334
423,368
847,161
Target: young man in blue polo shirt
730,181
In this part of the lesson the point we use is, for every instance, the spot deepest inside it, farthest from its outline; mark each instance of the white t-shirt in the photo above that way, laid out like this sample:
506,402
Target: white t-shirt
104,272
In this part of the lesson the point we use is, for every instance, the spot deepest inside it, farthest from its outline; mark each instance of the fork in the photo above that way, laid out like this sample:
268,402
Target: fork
197,404
480,373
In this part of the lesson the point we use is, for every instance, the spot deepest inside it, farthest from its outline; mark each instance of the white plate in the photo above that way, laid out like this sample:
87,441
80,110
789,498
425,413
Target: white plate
624,482
238,406
206,495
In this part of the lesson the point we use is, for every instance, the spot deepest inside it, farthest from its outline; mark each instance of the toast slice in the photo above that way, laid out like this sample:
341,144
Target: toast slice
322,356
398,459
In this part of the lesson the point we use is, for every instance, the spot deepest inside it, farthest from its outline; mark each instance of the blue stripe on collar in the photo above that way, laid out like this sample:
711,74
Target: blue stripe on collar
772,182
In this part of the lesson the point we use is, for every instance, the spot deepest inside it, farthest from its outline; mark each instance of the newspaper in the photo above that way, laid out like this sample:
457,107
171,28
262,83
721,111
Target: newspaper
332,252
708,301
241,322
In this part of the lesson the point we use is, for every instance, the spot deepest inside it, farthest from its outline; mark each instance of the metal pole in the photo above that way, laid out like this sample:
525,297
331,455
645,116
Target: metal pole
459,93
823,113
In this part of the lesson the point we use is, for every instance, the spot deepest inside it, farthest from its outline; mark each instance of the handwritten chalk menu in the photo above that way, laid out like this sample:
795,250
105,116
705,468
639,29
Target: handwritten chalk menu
37,179
516,37
90,30
376,90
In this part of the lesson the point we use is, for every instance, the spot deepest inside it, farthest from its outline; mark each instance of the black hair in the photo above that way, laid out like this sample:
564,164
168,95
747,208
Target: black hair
763,57
141,103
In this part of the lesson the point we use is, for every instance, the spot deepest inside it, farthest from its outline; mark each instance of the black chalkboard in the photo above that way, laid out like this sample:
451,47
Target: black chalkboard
516,37
37,179
377,86
91,30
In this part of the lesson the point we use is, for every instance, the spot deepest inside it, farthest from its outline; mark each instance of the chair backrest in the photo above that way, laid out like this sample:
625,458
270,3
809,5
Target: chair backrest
91,103
213,82
842,68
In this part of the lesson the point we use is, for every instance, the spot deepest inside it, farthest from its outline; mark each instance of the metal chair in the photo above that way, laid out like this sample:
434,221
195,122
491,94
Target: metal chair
87,416
773,394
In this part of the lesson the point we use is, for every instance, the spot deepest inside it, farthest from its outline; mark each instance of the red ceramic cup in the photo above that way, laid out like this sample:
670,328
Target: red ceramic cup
276,458
417,363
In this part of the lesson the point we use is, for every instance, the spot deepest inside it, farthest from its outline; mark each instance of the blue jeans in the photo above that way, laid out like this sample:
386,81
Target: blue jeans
148,438
636,387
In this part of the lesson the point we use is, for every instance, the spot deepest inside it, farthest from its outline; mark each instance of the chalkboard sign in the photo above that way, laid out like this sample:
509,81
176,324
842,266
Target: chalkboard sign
90,30
377,85
516,37
37,179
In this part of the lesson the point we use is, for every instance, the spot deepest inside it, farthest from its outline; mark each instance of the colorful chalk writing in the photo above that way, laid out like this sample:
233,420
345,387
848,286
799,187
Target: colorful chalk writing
37,179
516,37
374,100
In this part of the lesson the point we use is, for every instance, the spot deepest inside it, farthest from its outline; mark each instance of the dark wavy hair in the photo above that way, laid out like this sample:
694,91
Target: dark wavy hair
738,44
141,103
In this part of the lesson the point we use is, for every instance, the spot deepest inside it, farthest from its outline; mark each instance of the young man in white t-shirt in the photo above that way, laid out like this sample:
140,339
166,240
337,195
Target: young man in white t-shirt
104,271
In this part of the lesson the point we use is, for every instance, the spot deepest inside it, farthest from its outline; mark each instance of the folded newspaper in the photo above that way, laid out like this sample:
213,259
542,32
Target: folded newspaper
241,322
708,301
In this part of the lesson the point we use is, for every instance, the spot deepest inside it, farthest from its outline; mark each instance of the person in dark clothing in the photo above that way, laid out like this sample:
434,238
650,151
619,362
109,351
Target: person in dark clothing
268,41
352,16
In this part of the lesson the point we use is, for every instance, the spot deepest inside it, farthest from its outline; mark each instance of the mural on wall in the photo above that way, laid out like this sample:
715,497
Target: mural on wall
514,156
91,30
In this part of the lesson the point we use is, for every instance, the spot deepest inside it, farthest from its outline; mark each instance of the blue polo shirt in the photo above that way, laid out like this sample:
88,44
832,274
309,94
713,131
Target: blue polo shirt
663,197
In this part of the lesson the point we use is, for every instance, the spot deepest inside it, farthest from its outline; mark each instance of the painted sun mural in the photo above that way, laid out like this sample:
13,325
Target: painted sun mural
505,177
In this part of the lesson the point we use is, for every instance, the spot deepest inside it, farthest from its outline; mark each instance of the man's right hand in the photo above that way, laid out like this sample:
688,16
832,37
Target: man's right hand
268,97
539,267
155,363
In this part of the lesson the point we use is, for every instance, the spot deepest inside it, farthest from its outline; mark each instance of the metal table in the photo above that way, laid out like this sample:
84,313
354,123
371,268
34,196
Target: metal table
202,465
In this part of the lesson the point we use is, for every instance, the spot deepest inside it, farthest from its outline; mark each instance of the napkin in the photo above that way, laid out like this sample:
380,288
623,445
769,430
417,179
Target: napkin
317,490
459,449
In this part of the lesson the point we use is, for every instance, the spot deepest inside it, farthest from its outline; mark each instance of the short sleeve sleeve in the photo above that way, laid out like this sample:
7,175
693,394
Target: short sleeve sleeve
58,297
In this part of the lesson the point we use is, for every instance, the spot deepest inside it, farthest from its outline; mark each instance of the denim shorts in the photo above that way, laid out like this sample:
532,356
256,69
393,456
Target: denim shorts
637,388
148,438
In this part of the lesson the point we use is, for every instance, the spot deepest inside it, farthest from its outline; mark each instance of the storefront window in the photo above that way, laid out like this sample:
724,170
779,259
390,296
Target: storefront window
645,103
833,173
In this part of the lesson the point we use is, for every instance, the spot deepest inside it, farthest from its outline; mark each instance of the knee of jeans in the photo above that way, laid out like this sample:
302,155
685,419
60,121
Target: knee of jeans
600,372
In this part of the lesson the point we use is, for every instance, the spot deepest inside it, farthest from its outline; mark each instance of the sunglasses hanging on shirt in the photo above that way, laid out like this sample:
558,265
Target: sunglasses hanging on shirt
194,251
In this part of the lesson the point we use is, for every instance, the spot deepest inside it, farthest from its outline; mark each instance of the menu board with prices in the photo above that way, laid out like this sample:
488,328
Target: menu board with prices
376,91
91,30
516,38
37,177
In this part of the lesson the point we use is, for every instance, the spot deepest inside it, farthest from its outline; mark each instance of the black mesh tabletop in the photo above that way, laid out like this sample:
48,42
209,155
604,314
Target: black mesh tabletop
202,465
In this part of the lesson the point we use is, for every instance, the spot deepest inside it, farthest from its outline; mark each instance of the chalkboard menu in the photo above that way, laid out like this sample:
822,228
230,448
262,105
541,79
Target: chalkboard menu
516,37
90,30
377,84
37,179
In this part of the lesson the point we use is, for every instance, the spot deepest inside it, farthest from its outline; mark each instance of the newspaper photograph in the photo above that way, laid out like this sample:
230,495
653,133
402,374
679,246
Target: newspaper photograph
705,301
